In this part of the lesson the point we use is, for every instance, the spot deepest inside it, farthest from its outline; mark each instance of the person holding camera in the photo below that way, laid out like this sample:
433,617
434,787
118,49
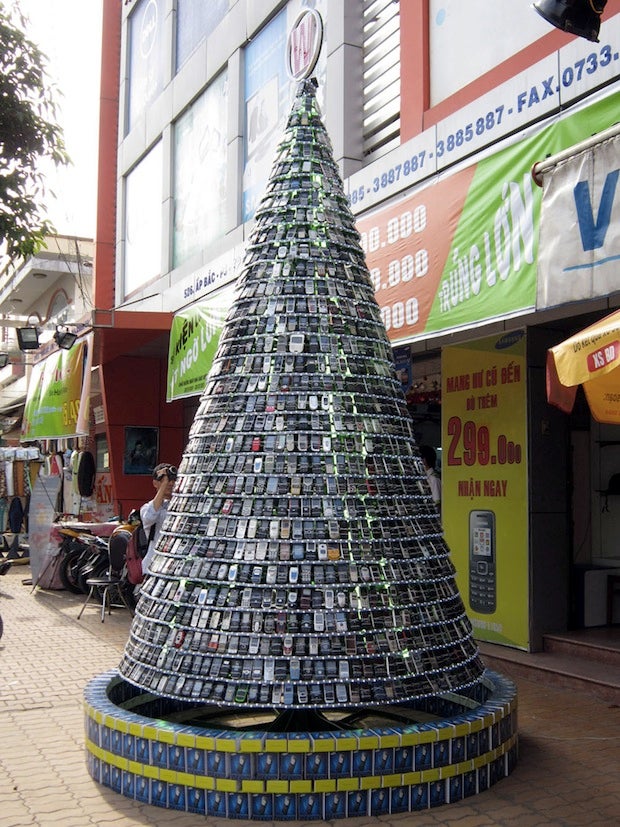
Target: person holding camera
154,511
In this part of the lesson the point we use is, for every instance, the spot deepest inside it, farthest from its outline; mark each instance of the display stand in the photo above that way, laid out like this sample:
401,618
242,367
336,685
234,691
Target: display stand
302,603
304,775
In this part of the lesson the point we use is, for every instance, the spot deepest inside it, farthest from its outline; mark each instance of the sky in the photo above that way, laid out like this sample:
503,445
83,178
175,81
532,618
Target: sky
68,32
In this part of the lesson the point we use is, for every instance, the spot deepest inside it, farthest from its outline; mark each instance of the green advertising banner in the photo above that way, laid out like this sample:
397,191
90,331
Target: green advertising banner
484,482
194,338
463,249
57,404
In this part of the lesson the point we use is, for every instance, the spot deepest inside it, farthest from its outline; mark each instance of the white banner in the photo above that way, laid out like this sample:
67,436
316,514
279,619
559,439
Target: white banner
579,245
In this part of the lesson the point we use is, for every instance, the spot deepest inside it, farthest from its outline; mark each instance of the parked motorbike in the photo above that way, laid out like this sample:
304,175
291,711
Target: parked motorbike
83,555
95,563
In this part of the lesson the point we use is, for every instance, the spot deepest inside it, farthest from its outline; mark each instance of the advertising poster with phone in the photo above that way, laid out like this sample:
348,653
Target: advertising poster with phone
484,481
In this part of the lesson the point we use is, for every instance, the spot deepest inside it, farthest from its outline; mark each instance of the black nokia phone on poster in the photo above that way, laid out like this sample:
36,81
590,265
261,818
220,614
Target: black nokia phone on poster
482,570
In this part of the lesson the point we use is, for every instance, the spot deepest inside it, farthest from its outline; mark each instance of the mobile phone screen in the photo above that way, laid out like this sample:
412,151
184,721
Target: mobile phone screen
482,570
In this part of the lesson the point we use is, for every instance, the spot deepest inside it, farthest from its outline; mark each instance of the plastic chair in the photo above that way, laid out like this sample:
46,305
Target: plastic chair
113,580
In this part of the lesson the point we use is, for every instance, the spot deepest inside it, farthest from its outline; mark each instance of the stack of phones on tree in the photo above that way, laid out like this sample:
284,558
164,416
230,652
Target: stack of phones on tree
302,562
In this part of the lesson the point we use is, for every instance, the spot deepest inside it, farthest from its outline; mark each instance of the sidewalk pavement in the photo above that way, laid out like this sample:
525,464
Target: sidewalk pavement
568,771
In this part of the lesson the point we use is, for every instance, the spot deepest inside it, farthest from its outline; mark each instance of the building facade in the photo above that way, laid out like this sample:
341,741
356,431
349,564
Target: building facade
47,290
437,113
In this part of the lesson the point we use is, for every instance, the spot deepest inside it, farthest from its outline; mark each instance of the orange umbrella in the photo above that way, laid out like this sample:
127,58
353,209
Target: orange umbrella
590,358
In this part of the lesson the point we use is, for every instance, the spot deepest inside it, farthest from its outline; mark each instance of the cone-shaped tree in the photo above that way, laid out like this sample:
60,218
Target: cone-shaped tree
302,562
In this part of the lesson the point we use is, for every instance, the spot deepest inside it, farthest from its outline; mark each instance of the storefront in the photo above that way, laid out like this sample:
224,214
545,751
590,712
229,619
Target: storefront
470,271
459,271
580,250
55,430
97,420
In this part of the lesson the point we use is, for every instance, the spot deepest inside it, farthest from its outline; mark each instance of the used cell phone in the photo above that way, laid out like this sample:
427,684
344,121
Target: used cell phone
269,669
482,568
296,343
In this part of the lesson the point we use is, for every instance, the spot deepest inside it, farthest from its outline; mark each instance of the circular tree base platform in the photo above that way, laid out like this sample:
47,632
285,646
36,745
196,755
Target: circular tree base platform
139,746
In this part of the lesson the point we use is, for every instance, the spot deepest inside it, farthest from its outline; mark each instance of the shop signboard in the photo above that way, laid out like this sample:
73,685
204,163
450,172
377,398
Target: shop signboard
103,503
462,250
484,482
550,86
57,404
206,280
194,338
43,551
459,251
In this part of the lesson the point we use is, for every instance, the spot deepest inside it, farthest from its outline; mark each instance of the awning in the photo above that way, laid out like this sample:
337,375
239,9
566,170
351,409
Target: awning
57,403
542,168
13,396
590,358
579,234
121,333
10,424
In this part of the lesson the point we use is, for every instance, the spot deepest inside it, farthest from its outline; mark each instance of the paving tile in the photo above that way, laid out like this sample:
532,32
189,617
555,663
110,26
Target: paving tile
567,775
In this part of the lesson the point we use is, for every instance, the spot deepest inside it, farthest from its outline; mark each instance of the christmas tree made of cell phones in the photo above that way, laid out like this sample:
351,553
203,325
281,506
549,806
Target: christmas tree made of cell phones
302,564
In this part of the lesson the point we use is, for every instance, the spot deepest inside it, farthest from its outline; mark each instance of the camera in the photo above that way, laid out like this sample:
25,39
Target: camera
170,472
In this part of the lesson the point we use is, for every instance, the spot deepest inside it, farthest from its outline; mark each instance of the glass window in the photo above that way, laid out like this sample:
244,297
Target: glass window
146,57
268,96
266,101
58,312
200,172
196,20
103,453
143,221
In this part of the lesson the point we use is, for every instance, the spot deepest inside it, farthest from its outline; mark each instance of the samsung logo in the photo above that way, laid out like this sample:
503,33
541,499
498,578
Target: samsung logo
509,339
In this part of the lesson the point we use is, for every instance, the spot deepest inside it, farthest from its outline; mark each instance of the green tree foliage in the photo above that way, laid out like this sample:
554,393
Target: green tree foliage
28,133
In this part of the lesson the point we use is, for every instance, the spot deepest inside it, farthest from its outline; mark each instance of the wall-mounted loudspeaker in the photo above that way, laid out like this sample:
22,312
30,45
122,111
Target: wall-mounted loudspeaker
580,17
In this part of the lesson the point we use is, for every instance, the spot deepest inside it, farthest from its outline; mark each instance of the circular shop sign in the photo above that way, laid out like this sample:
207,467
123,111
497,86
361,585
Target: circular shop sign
304,44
